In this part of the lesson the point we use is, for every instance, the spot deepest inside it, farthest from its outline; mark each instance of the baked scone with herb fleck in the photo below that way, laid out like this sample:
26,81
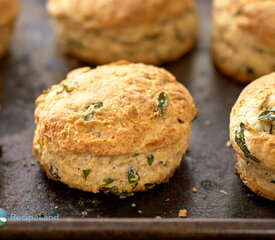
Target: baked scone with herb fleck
103,31
243,44
118,128
252,133
9,10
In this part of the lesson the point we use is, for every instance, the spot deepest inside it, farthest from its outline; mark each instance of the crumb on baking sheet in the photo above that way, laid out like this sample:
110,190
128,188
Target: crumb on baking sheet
56,207
84,213
224,192
183,213
133,205
24,163
32,163
39,180
167,200
158,217
139,211
207,122
228,144
194,189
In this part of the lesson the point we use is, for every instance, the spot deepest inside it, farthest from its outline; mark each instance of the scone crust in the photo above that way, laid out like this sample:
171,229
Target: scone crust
105,13
243,45
256,98
8,11
127,122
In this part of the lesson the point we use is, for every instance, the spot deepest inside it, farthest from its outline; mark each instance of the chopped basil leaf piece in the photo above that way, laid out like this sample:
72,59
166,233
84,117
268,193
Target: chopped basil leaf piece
95,105
134,185
98,105
54,173
150,159
133,177
268,115
89,117
240,140
108,180
86,173
178,34
113,190
162,103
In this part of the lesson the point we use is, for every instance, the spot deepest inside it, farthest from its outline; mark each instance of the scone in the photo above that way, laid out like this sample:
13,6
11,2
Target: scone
252,133
103,31
118,128
243,44
8,12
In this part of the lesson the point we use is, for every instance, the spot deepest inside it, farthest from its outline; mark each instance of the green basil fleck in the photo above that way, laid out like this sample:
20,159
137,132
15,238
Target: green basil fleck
150,159
74,43
268,115
250,71
133,177
89,117
98,105
114,190
54,173
240,140
152,36
178,34
108,180
162,103
86,173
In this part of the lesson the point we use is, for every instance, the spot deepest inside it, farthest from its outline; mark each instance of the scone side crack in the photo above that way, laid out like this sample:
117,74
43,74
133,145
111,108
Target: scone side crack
240,140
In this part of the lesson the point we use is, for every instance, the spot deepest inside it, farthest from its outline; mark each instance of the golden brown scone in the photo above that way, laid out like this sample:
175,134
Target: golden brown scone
243,45
9,10
118,128
252,133
102,31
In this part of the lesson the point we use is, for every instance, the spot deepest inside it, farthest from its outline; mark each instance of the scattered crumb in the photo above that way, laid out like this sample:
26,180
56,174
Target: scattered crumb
24,163
139,211
167,200
158,217
84,213
39,180
224,192
56,207
183,213
194,189
133,205
207,122
32,163
228,144
98,216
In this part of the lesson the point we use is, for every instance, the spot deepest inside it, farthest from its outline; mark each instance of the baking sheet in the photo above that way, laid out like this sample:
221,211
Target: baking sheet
34,63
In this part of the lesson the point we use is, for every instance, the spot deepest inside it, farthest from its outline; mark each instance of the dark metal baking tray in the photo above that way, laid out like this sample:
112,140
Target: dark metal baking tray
34,63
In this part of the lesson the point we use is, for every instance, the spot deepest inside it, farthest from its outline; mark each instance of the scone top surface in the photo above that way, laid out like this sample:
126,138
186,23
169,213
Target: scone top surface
252,122
117,13
8,11
115,109
254,16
